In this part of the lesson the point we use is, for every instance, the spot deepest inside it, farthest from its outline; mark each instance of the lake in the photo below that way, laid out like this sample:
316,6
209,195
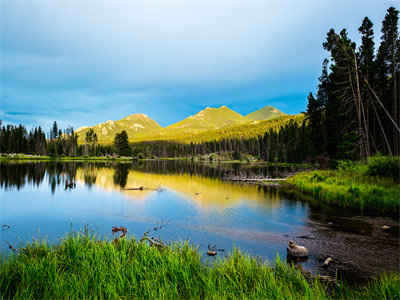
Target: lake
185,201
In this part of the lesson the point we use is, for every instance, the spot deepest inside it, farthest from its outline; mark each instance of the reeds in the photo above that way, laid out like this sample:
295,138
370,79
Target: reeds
82,267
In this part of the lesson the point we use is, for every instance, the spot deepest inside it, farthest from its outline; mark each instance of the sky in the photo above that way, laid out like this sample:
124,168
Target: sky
82,62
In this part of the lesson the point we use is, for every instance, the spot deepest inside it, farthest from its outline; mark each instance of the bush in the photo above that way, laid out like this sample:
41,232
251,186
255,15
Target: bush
384,166
345,165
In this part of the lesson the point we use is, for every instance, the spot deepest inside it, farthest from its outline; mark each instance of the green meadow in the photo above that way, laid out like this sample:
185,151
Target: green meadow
371,187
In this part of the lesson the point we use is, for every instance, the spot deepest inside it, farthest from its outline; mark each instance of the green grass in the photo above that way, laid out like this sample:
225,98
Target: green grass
352,186
83,266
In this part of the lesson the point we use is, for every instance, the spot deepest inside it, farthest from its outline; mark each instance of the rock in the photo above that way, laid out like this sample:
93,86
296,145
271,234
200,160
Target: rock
327,261
212,250
385,227
296,250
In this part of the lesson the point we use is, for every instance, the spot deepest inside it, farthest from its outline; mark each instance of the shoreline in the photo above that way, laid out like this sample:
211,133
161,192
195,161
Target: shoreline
82,266
27,157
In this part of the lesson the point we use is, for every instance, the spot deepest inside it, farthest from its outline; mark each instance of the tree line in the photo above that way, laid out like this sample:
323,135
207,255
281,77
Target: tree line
355,112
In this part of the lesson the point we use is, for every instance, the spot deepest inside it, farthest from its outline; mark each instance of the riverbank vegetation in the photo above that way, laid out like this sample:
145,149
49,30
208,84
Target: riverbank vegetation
371,188
82,266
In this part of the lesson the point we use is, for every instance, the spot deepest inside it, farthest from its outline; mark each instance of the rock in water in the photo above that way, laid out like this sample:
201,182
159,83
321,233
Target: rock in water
296,250
327,261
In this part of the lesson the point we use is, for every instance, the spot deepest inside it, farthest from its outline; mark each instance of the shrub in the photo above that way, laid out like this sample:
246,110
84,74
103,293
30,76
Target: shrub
384,166
318,178
344,165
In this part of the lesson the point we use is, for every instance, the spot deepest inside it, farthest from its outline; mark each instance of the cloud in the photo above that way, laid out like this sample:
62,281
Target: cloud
83,62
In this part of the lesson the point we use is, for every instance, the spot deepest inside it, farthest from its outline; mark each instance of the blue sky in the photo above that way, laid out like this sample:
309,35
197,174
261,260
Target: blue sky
85,62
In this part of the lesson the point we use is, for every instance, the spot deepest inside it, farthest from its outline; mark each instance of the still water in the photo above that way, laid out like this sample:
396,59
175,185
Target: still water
189,201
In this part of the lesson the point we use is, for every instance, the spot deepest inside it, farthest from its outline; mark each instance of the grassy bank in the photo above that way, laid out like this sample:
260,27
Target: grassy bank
85,267
371,188
197,159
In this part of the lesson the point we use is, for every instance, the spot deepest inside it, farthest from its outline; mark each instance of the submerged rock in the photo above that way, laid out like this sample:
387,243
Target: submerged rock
295,250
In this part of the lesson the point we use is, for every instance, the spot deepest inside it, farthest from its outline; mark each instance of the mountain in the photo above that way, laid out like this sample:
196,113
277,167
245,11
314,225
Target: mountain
210,118
266,113
133,124
248,129
206,125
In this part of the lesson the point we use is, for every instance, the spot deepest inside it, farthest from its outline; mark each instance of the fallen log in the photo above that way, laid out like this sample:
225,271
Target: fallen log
121,229
153,242
140,188
256,179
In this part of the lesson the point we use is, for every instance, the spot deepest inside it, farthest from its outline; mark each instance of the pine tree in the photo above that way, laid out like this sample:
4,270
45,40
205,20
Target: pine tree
387,64
54,131
121,144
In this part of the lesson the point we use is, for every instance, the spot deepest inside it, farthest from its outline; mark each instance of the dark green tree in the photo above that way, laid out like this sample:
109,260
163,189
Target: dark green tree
121,144
387,75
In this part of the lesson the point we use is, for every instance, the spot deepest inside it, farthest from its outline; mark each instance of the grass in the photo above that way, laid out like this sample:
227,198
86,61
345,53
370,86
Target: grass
205,158
362,187
82,267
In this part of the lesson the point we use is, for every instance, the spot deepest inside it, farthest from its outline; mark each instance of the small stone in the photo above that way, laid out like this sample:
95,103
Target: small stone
327,261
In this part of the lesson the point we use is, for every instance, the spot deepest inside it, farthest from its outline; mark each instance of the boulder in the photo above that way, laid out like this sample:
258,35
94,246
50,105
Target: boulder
295,250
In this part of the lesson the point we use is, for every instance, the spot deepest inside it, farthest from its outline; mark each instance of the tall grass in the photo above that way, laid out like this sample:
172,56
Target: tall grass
82,267
369,188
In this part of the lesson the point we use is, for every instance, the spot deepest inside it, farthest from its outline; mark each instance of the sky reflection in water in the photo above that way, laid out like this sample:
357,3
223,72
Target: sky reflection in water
191,201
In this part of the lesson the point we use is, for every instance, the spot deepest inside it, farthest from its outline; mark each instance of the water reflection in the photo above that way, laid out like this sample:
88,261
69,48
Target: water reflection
194,200
43,200
201,183
204,191
121,175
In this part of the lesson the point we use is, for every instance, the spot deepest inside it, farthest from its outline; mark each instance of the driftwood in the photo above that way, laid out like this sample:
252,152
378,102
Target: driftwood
153,242
121,229
11,247
322,278
212,250
256,179
140,188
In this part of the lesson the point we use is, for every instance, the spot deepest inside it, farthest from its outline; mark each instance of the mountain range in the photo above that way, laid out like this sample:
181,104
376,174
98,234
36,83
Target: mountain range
218,121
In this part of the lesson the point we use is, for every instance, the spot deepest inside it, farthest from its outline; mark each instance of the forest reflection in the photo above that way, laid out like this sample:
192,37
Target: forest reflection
201,182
